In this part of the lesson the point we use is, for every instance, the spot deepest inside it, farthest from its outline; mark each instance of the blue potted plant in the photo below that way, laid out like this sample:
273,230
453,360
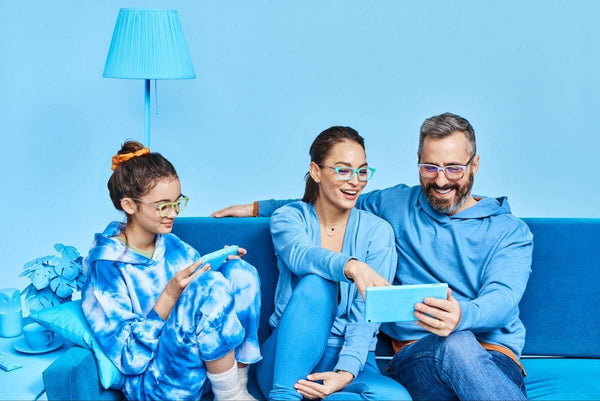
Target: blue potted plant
54,279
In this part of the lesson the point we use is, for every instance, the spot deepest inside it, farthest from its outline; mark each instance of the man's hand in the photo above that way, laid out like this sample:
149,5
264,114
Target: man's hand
363,276
444,315
332,382
235,211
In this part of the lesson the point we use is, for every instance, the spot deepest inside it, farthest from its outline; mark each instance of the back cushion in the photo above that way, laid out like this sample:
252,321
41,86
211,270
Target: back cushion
560,308
207,234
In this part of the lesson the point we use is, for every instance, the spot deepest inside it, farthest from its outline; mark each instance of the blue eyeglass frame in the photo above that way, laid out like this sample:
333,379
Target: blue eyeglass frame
354,171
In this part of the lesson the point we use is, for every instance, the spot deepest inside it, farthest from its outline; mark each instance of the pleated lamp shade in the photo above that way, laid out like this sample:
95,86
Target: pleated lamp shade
148,44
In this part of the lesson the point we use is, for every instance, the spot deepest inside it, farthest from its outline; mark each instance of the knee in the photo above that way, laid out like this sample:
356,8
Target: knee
209,288
459,347
241,275
316,290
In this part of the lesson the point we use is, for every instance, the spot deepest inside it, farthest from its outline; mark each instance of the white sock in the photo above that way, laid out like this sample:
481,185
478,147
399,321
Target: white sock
226,386
243,375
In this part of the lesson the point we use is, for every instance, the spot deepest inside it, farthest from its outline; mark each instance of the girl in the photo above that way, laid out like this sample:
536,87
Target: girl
321,347
165,322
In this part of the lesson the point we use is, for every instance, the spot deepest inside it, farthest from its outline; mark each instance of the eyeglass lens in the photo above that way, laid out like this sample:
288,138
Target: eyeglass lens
451,172
346,174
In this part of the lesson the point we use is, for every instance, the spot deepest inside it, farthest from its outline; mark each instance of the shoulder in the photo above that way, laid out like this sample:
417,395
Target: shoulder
514,228
373,225
175,247
295,211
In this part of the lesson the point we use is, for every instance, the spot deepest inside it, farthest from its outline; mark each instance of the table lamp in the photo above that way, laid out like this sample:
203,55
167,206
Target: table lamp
148,44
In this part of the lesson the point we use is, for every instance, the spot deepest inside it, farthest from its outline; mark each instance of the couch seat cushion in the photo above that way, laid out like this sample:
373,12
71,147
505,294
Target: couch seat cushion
562,378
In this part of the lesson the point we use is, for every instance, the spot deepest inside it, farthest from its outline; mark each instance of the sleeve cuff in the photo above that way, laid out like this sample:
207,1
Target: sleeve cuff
342,260
154,324
467,315
350,364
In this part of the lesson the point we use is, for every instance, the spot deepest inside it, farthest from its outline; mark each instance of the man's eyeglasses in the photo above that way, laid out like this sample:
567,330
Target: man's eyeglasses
165,209
346,173
452,172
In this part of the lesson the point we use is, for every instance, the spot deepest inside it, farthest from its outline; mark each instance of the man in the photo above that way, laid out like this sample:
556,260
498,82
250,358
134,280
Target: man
467,346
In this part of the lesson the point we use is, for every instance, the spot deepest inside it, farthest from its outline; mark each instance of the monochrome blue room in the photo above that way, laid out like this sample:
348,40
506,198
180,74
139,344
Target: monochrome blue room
267,78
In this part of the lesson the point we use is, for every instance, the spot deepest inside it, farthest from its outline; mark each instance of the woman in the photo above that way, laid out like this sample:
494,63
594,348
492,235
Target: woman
173,328
321,347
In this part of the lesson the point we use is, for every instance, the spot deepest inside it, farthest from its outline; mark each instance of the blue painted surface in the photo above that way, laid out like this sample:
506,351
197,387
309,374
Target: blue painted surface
270,76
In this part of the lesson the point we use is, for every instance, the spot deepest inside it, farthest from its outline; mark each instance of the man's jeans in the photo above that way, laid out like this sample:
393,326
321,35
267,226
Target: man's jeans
456,367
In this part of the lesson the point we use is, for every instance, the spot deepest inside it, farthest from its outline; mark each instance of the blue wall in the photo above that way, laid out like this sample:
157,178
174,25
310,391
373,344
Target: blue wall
271,75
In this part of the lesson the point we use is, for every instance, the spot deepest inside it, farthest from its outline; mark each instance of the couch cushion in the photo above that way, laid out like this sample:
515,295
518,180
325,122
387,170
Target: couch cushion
74,377
562,379
560,305
68,321
207,234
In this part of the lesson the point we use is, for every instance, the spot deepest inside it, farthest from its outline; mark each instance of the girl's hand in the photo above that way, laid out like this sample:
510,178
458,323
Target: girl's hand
332,382
183,278
241,252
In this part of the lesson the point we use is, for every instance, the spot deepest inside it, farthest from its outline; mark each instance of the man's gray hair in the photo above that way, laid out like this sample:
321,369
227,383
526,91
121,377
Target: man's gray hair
444,125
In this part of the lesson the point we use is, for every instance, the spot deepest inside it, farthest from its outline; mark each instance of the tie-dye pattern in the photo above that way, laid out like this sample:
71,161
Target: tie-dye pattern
218,312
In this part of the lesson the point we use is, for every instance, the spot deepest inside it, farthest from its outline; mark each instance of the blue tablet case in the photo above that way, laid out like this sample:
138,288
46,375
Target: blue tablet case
396,303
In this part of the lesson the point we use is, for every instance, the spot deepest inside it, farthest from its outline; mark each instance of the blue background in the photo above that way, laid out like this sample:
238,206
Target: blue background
272,75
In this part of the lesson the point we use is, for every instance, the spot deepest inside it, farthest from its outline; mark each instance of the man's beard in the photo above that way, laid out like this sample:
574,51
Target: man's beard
448,206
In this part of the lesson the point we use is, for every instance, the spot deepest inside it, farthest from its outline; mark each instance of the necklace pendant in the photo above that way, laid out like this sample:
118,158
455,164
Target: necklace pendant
330,231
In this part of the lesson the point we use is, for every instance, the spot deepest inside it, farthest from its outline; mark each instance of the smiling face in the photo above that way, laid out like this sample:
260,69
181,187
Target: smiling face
443,195
340,194
145,216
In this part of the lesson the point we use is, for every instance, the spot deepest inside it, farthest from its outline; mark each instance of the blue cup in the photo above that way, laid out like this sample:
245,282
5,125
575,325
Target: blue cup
37,336
11,320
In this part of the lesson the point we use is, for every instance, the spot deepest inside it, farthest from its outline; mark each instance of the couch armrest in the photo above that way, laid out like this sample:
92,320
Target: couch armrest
74,376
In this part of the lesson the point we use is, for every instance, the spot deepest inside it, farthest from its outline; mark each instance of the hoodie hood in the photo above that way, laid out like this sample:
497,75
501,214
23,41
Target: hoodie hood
105,247
485,207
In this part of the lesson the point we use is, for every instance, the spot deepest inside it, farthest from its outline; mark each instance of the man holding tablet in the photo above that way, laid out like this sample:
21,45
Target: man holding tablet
468,345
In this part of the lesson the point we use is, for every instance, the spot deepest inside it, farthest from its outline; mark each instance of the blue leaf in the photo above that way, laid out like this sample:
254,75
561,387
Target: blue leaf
41,277
61,287
42,300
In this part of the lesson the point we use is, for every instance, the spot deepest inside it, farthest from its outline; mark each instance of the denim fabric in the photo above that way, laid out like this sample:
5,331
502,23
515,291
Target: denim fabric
290,356
456,367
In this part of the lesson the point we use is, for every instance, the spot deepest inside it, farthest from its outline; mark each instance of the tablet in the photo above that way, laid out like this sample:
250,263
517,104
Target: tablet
217,258
396,303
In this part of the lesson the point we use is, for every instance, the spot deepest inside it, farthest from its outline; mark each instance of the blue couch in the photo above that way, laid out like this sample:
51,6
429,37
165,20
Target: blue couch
560,308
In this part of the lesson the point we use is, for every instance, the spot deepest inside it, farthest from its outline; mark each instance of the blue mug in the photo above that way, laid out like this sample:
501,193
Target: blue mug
37,336
11,320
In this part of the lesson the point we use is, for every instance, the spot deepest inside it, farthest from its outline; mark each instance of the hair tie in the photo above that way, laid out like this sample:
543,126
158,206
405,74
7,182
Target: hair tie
117,160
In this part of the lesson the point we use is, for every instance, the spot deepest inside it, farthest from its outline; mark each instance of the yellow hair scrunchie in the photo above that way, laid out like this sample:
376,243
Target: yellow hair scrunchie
118,159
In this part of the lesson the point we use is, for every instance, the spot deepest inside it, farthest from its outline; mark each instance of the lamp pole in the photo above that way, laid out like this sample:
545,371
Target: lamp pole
147,113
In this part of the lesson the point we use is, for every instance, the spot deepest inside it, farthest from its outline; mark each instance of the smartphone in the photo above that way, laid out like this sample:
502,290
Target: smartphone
217,258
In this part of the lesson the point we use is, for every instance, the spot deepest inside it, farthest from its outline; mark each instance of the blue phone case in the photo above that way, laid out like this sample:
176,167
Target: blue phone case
217,258
396,303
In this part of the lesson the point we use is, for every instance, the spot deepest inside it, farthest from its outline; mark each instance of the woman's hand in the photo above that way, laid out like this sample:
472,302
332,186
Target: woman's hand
332,382
363,276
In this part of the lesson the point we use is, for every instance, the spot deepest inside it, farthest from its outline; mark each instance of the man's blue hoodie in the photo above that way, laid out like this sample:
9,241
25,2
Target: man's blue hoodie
483,253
